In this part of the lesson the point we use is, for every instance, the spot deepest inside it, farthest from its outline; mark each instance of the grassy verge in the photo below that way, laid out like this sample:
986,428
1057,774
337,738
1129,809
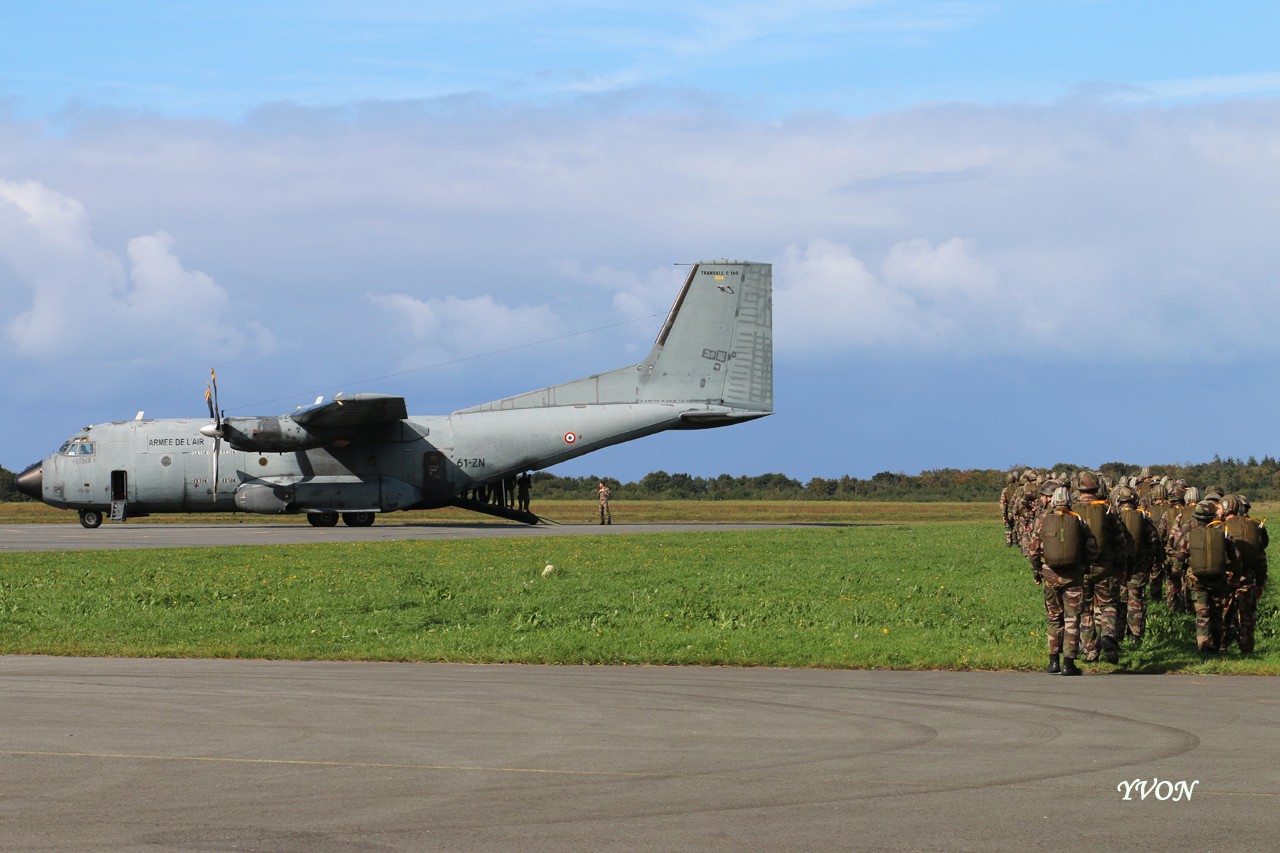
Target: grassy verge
911,596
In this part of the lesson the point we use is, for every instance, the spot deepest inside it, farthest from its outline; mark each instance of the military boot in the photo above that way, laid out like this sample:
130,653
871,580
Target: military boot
1069,667
1053,664
1110,652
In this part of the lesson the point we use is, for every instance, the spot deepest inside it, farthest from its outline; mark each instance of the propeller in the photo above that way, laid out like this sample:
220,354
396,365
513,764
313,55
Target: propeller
213,430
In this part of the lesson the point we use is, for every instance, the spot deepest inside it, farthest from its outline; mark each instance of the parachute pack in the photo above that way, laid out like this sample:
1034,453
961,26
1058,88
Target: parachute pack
1132,518
1094,514
1244,531
1208,555
1061,539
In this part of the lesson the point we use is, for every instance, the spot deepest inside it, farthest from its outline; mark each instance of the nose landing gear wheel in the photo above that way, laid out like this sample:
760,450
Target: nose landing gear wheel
90,518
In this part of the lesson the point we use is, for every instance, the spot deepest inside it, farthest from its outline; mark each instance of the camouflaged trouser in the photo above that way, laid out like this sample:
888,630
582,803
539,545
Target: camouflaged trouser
1208,596
1098,618
1063,601
1174,596
1132,610
1240,616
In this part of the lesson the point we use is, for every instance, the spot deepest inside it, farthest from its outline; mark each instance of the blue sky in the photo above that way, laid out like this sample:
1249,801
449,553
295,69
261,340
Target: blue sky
1003,233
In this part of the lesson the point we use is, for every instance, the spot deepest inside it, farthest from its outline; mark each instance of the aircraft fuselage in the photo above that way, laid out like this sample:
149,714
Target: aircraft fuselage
711,366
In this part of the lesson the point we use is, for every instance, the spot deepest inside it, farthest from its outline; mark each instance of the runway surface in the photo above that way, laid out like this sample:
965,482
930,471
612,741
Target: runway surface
73,537
257,755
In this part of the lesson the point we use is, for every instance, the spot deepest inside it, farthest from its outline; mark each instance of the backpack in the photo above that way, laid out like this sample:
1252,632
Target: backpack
1208,555
1094,514
1244,531
1132,518
1061,540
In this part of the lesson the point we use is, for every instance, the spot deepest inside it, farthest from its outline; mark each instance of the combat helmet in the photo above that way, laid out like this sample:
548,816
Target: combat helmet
1205,511
1061,497
1049,487
1125,495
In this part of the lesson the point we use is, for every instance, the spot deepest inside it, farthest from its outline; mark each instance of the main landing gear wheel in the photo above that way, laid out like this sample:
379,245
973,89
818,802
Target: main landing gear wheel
90,518
357,519
322,519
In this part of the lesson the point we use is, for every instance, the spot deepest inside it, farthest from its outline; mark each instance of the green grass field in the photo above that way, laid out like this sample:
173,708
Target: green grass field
919,594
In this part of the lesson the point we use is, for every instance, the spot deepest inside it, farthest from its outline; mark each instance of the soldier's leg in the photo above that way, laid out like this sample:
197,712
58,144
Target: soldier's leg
1088,624
1122,608
1136,612
1105,594
1246,617
1053,616
1073,607
1208,615
1173,593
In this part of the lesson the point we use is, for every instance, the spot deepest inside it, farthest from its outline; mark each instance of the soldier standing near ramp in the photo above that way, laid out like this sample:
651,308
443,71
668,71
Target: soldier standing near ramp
606,517
1060,549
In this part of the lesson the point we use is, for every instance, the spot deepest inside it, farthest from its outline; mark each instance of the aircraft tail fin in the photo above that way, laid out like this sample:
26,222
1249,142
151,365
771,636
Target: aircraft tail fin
715,348
717,342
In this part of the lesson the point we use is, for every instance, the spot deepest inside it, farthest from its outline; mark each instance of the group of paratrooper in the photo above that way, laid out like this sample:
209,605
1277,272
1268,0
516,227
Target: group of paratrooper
1095,548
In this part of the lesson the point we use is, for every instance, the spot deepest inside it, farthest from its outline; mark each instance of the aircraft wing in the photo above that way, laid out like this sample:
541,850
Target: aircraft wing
358,410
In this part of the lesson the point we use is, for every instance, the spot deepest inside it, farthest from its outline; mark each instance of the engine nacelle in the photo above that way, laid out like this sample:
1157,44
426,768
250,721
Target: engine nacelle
269,435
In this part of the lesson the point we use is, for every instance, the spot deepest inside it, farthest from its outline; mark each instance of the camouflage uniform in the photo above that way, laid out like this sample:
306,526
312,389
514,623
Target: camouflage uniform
1098,621
1179,515
1148,554
1159,504
1063,589
1006,508
606,517
1244,586
1208,588
1028,506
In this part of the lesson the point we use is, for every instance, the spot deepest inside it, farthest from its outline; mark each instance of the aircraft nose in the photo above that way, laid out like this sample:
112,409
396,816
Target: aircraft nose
31,481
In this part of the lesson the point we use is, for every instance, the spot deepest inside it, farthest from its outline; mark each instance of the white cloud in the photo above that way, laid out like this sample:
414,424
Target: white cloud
960,229
453,328
84,305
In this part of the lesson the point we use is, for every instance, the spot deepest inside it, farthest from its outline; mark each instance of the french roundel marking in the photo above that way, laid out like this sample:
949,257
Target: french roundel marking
570,437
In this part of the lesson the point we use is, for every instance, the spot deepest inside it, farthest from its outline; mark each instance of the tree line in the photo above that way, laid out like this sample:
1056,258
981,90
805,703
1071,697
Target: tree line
1258,479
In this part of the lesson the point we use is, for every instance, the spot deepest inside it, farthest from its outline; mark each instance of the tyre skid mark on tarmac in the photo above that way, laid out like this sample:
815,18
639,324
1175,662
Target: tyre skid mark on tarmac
303,762
1183,742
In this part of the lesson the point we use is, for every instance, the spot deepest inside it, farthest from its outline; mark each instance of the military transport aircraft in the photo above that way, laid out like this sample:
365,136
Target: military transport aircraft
711,366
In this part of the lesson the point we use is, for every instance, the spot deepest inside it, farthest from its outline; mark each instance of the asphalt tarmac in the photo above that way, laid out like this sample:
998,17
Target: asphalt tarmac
200,755
204,755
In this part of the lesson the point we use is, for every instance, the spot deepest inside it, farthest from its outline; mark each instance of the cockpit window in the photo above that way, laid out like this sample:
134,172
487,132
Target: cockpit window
77,447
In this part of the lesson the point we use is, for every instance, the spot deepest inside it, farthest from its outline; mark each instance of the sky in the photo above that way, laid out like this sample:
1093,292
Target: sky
1002,233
